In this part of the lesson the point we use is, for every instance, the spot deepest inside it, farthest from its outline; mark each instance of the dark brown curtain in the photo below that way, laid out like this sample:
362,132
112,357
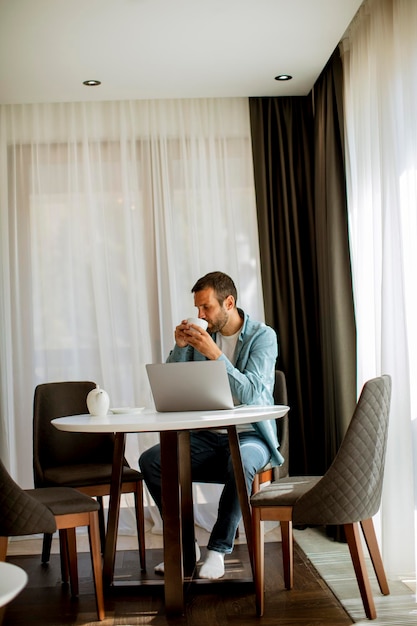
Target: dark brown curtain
337,318
302,220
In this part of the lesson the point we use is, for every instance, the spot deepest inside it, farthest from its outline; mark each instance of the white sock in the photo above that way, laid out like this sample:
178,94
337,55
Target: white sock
160,568
197,552
213,566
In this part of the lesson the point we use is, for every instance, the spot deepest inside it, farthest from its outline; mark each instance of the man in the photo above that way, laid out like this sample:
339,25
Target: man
249,350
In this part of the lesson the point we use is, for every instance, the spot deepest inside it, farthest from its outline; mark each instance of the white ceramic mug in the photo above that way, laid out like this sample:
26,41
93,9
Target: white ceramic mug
198,322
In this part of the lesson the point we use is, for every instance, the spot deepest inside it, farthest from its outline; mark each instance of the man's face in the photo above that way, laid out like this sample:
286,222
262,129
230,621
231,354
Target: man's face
210,310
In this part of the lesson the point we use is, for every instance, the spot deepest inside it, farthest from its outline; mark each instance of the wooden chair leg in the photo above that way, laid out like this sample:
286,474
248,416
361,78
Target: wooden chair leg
94,537
71,544
140,524
63,551
258,559
46,547
4,541
373,548
287,553
102,524
358,560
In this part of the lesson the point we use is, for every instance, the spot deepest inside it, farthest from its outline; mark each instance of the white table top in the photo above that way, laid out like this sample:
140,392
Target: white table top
12,581
152,421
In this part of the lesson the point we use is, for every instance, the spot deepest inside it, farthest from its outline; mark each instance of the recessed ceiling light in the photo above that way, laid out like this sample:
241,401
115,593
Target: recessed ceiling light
283,77
91,83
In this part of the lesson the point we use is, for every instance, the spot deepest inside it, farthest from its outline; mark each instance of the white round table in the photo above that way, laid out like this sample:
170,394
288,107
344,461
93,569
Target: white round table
150,420
178,522
12,580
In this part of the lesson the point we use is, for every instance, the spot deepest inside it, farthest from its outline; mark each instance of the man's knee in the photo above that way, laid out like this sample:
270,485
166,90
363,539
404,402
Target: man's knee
148,458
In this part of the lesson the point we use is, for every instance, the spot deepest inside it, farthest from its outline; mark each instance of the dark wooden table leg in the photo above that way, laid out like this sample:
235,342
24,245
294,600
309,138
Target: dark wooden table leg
188,535
241,488
114,508
172,523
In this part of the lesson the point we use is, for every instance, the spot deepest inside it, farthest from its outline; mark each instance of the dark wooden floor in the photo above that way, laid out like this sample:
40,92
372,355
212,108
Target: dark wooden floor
46,602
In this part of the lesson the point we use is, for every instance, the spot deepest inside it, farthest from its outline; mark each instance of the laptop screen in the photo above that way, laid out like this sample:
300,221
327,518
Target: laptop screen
190,386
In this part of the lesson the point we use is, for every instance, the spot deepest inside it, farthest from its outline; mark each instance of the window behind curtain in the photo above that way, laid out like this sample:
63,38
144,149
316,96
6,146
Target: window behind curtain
112,211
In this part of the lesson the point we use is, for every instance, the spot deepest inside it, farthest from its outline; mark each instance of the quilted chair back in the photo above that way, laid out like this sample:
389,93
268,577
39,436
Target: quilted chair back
20,514
54,448
350,491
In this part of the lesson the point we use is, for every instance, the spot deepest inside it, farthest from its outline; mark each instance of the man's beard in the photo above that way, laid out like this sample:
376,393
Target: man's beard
219,323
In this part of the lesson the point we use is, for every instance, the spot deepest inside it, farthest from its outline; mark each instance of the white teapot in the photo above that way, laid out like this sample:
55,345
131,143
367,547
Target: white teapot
98,401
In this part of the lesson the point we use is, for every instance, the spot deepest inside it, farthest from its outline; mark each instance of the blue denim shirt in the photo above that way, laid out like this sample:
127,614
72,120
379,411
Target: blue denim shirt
252,377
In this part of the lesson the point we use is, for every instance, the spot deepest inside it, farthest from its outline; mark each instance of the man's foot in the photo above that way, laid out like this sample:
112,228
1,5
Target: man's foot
160,568
213,566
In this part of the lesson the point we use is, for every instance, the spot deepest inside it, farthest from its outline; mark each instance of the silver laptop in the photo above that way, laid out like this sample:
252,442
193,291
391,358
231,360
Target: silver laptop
190,386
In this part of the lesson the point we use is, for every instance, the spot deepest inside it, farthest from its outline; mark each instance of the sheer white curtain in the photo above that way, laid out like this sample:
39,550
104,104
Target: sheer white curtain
109,214
380,65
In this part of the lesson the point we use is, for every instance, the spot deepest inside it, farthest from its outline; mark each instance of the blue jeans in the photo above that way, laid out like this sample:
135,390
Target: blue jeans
211,463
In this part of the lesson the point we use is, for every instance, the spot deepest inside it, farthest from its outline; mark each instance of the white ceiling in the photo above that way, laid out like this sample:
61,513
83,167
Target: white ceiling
149,49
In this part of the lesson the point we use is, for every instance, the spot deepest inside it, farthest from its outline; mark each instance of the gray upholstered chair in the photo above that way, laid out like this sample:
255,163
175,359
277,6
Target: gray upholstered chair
81,461
33,511
349,493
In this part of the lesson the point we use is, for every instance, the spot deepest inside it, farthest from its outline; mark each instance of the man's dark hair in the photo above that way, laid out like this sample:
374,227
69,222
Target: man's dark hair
221,283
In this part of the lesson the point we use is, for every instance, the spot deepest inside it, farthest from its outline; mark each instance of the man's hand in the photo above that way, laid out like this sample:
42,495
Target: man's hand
181,339
192,335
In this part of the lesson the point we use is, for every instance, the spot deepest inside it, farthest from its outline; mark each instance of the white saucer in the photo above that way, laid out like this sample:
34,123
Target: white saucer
127,409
